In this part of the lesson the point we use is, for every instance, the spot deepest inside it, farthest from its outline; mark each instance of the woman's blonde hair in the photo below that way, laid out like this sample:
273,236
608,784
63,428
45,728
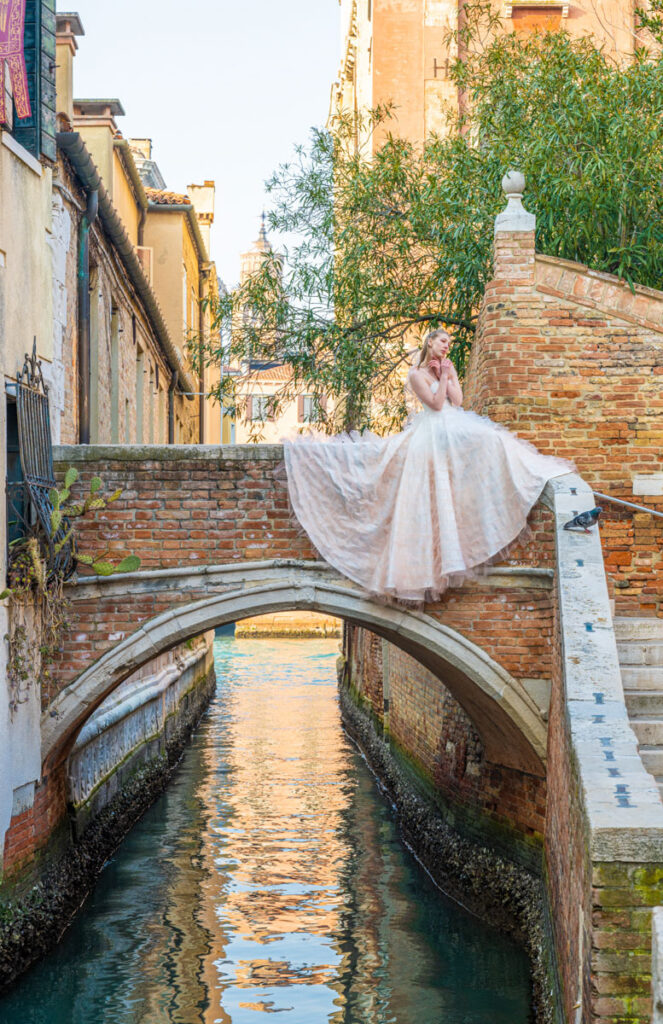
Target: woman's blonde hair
424,354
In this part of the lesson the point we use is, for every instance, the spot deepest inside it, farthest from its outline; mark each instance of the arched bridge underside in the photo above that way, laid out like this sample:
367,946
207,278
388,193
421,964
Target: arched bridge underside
508,721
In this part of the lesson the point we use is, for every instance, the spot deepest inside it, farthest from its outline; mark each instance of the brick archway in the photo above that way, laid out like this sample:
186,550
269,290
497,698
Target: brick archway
511,727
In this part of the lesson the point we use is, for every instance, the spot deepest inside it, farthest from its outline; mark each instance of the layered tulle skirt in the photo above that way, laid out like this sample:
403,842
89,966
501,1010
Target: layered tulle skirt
409,515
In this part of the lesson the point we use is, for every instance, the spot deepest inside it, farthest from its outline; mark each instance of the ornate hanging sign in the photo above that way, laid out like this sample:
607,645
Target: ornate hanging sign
12,22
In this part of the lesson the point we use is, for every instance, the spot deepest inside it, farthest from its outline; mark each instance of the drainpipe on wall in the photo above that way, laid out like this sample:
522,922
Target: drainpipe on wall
201,352
171,407
87,220
141,226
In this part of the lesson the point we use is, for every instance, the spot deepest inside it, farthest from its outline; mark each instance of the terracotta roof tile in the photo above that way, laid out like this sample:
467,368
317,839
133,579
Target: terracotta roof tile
272,373
165,198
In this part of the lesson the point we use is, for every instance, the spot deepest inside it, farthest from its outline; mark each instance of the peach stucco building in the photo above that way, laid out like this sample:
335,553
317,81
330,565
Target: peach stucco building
398,51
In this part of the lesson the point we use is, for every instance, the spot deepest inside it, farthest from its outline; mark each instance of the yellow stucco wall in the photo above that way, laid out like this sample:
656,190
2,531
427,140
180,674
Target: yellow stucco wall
25,259
190,260
99,141
212,408
124,199
163,233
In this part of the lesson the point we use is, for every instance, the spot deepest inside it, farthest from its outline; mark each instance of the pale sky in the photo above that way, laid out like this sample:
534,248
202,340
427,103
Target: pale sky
224,88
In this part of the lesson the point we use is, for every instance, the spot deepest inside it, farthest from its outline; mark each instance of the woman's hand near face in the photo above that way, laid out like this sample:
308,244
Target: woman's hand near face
421,385
454,390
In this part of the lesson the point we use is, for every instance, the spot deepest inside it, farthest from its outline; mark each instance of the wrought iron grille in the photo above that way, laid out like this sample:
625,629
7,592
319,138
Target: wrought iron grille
29,505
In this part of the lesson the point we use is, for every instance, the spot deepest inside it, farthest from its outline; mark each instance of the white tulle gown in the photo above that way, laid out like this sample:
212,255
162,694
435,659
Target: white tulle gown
409,515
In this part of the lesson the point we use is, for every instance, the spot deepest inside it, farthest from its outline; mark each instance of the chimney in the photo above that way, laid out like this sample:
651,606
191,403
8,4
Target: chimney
95,120
68,27
141,147
202,198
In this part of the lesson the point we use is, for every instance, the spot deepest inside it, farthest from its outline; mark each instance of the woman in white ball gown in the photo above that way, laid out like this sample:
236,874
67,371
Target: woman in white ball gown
408,515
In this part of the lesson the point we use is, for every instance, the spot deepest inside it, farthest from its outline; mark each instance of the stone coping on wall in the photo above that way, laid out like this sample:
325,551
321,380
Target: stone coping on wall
144,692
520,576
621,801
71,454
597,290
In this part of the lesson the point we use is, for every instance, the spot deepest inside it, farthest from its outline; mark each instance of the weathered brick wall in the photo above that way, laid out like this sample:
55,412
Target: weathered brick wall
434,732
568,866
31,830
572,360
363,650
204,510
194,507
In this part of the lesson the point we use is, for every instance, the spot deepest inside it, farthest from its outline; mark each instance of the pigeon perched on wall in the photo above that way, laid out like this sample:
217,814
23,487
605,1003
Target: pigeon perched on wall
584,520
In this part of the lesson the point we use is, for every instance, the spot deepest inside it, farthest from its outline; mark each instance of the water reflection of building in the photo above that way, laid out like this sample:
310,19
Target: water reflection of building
306,894
179,933
274,849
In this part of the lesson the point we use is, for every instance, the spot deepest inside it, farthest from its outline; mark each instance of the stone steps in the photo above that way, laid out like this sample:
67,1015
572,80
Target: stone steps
640,649
649,731
643,704
641,652
642,677
652,758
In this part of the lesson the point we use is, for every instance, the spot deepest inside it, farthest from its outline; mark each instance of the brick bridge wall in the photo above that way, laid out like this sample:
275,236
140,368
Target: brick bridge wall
189,507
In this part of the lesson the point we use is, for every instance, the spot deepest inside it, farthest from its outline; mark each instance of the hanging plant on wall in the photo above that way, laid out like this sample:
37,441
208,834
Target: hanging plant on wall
36,576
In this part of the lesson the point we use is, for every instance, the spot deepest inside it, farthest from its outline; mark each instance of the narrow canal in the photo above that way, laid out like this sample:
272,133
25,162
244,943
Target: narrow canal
270,878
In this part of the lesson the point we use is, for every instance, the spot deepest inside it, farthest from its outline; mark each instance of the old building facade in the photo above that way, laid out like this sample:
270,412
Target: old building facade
125,365
27,155
111,291
398,51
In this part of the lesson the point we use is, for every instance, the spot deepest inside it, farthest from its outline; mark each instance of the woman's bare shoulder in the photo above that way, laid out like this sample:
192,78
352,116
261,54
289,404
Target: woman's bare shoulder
418,376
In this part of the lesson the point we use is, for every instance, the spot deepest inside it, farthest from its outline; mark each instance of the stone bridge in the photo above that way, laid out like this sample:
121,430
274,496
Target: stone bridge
218,543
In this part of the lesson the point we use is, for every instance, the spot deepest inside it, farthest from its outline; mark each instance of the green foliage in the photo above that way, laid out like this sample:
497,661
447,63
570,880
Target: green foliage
650,18
129,564
102,567
384,239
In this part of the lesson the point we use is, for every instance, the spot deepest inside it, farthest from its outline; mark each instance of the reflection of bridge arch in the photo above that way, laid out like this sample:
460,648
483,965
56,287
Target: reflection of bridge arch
508,722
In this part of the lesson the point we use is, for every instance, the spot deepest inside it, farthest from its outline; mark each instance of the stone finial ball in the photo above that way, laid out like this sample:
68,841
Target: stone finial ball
513,183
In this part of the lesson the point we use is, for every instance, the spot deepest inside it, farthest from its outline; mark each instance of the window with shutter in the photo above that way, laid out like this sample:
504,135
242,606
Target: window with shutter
260,408
311,408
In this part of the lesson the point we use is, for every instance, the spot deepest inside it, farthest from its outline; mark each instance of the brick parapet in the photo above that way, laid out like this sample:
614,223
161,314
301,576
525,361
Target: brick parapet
514,258
572,361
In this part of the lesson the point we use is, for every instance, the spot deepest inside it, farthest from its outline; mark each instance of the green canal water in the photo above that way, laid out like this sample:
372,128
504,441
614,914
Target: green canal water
270,879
